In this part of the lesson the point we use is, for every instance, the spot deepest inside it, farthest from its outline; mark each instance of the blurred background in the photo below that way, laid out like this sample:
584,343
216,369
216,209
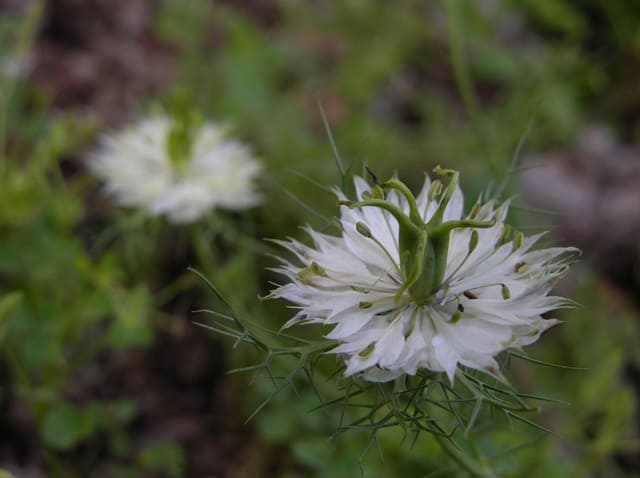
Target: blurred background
102,369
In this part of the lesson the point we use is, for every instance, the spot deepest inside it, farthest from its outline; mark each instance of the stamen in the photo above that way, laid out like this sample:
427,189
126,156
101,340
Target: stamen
518,239
473,242
506,232
475,210
368,350
311,271
377,192
362,290
363,230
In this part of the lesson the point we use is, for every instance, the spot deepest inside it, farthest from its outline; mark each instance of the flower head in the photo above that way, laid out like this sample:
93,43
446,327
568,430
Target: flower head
413,283
166,167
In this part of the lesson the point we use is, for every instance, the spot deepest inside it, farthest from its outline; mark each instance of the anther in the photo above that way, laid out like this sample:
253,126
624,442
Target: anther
518,239
363,230
473,242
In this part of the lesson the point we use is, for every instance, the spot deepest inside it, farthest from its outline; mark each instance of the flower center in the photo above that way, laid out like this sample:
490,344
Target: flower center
423,246
179,142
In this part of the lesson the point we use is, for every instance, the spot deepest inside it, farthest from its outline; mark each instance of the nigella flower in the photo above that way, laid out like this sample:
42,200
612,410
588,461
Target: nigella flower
413,283
181,169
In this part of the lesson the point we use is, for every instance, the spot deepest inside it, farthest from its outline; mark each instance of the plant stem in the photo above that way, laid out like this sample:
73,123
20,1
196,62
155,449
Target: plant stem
478,470
203,252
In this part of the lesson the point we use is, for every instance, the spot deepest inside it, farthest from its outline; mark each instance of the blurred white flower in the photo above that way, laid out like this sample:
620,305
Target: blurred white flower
411,283
139,170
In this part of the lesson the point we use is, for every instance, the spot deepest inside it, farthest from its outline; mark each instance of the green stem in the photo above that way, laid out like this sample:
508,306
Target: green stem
461,71
203,251
478,470
460,376
25,41
315,347
170,291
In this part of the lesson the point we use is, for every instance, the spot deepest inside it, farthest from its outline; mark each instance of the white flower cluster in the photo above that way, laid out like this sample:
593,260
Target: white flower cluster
138,171
413,283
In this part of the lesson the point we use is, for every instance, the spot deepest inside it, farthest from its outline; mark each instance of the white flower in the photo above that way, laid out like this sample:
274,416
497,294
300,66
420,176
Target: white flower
139,171
411,283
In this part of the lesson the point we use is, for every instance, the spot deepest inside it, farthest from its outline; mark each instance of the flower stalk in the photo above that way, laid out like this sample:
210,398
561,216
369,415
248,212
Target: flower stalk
467,463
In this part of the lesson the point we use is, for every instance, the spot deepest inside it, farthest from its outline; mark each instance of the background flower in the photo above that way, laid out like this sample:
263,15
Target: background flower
139,171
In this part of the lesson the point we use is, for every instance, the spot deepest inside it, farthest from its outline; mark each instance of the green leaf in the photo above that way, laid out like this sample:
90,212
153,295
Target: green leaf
131,327
123,411
42,350
65,426
164,457
8,303
278,425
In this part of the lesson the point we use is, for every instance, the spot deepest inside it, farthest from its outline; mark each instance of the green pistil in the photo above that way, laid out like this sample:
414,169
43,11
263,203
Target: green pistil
367,351
423,246
412,263
179,143
310,272
454,175
179,146
447,227
414,213
395,211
